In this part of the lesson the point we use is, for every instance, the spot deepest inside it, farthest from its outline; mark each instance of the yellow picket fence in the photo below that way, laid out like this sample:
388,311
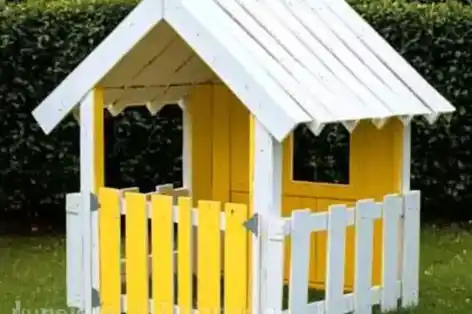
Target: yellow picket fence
156,287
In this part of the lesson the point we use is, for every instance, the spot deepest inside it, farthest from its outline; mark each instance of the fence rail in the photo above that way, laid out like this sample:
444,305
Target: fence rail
169,243
400,255
164,280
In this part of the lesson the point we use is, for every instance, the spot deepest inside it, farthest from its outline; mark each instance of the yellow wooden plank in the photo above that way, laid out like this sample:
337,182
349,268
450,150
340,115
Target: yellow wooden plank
137,290
221,153
162,227
185,256
239,146
209,268
236,259
199,103
109,242
240,197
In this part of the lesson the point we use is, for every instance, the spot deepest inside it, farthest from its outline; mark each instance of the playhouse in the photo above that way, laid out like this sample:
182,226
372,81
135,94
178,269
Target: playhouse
247,74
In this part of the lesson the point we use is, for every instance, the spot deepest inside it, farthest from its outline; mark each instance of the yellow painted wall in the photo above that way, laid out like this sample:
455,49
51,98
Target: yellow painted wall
221,155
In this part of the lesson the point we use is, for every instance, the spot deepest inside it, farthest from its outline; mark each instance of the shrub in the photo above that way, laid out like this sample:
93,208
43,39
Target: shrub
41,42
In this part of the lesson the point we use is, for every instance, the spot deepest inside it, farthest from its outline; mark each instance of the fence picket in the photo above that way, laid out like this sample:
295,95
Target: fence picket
137,290
162,228
365,213
236,260
210,222
109,228
337,219
185,256
411,244
209,268
299,270
392,210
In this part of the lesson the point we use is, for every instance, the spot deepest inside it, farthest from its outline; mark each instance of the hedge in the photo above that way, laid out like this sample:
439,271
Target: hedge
41,42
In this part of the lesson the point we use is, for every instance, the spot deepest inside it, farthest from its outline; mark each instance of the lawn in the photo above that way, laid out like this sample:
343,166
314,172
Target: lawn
32,270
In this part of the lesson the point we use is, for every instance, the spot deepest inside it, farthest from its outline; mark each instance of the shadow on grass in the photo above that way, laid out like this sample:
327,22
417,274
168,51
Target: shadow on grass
313,295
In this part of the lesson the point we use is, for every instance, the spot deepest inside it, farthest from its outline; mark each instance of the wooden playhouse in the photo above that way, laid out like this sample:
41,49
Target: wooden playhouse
246,75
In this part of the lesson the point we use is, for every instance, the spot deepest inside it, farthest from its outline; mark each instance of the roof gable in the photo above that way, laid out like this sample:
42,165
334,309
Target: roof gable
97,64
306,61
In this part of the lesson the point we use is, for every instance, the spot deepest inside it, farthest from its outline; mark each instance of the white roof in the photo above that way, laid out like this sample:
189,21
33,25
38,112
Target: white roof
289,62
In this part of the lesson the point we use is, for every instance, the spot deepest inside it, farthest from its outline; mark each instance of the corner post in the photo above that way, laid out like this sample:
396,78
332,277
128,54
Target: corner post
91,179
266,201
409,229
406,160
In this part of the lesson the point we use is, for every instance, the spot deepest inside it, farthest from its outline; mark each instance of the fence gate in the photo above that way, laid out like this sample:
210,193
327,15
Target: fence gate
147,257
400,216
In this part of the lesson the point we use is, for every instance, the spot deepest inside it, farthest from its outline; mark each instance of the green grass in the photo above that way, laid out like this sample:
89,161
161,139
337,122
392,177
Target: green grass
32,270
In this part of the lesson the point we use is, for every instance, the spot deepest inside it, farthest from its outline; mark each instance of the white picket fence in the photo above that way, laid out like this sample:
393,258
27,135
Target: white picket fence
400,256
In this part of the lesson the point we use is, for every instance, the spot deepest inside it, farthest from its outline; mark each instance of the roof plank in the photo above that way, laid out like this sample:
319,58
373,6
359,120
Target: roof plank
382,49
304,61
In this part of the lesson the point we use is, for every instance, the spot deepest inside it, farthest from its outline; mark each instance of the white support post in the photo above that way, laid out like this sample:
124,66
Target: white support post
187,171
267,257
406,159
411,247
186,147
91,178
405,189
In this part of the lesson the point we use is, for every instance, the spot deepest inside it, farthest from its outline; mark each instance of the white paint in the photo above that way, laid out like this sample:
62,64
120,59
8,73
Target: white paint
411,246
97,64
186,147
391,58
299,259
315,65
266,53
392,210
299,227
335,258
346,303
366,212
293,76
351,49
335,222
267,248
303,25
406,159
319,221
198,23
87,186
74,273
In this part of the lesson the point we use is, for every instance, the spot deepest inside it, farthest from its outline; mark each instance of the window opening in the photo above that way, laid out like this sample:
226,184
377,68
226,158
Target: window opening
323,158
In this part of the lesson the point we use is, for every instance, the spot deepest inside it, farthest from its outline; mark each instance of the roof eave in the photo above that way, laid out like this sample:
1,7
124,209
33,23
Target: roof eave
52,110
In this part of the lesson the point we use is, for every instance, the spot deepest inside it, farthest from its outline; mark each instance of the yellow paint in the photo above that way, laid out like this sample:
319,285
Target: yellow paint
137,290
375,170
221,147
236,266
209,268
239,147
109,226
222,142
162,227
199,103
185,256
